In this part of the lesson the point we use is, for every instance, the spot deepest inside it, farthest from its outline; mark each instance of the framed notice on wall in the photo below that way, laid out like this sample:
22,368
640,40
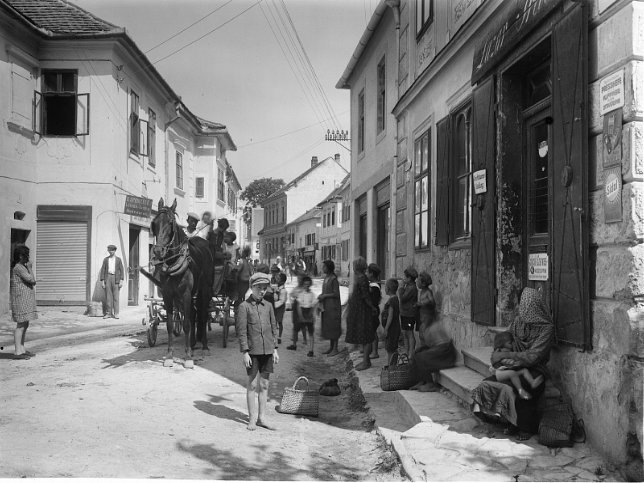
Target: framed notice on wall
538,266
612,138
613,194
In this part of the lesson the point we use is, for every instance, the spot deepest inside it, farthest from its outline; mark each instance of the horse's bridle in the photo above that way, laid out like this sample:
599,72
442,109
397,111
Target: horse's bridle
170,247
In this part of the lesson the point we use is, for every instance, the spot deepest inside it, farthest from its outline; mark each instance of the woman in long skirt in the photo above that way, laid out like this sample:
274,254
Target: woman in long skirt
331,307
360,312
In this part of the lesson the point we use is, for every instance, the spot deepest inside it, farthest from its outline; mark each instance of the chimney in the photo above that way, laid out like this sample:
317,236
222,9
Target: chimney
337,157
314,161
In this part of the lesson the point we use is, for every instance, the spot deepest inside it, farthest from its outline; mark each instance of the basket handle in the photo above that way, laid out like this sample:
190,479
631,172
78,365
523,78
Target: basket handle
403,359
394,360
298,380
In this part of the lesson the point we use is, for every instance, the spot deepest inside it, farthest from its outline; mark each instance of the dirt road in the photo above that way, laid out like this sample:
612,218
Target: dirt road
96,405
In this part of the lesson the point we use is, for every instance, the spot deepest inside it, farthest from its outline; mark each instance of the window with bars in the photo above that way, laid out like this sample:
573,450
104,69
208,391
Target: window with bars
421,190
424,15
179,170
381,75
199,187
361,121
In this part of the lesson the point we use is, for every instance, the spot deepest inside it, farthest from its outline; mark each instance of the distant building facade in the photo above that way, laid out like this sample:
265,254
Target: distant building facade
335,231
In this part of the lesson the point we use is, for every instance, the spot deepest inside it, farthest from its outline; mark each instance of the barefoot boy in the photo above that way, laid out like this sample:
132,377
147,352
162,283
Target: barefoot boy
257,331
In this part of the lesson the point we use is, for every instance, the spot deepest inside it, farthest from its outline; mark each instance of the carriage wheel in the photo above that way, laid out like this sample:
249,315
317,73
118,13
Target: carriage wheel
152,334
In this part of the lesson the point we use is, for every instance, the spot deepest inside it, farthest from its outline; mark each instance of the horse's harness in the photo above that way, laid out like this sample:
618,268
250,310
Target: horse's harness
175,252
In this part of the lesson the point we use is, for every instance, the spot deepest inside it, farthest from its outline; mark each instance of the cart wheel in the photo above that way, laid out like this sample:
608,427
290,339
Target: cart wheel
152,334
225,326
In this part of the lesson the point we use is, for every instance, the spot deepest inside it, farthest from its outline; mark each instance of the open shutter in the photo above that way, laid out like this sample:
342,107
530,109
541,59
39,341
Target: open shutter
37,114
442,182
569,185
483,209
143,137
82,114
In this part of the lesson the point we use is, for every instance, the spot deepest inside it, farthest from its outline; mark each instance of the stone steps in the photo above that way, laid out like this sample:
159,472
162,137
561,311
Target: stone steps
478,359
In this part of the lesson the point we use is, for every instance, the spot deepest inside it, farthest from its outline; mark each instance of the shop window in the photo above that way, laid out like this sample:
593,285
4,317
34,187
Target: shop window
361,121
179,170
421,191
59,110
424,15
380,122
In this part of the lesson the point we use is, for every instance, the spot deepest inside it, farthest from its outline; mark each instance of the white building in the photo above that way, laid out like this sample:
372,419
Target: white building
89,123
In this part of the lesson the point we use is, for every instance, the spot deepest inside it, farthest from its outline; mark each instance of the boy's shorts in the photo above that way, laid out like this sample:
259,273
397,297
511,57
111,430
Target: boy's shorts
262,364
309,326
408,323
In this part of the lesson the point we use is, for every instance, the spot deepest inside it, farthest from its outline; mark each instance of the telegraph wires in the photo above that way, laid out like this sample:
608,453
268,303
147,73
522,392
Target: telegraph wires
207,33
188,27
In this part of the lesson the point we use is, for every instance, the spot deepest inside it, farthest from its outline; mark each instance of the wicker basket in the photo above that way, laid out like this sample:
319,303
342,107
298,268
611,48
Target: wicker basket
397,374
555,428
298,401
95,309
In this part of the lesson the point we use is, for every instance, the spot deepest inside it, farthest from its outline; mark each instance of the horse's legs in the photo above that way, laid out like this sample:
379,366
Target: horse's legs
187,323
203,300
169,310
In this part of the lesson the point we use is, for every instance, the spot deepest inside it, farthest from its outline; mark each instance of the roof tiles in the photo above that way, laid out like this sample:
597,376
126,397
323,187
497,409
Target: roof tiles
60,17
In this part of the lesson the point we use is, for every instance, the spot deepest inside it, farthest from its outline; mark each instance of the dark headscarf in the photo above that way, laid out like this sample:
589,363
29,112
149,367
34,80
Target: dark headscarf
533,329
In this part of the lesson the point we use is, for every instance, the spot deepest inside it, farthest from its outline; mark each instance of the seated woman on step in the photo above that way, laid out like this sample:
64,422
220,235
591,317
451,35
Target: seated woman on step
533,336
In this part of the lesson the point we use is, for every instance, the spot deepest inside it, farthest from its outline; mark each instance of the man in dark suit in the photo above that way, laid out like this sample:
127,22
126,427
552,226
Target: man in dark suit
112,281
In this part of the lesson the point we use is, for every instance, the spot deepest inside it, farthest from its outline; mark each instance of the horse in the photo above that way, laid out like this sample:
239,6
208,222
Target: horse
184,269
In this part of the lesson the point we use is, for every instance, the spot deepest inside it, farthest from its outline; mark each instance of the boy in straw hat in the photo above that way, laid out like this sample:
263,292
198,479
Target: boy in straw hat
257,331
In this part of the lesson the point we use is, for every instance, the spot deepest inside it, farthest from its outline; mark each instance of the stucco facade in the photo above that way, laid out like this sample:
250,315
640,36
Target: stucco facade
511,83
133,137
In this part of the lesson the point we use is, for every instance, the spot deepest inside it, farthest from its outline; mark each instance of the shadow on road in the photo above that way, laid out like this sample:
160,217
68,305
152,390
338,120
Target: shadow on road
268,465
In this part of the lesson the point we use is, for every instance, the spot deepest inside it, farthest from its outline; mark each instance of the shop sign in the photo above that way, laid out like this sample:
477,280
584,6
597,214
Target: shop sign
538,266
517,19
612,138
137,206
480,182
613,195
611,92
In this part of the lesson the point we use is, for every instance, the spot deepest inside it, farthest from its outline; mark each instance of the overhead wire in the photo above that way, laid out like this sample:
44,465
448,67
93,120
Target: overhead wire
207,33
188,27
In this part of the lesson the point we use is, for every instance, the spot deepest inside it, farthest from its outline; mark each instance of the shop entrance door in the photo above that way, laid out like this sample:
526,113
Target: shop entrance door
537,201
133,268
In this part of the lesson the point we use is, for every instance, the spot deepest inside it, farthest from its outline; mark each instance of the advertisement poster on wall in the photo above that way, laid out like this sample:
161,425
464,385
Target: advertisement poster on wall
613,195
612,138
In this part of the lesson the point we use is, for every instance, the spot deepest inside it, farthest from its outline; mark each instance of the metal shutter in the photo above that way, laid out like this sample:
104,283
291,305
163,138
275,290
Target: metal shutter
61,263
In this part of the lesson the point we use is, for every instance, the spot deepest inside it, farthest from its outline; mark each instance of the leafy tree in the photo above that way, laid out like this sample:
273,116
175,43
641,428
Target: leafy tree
260,189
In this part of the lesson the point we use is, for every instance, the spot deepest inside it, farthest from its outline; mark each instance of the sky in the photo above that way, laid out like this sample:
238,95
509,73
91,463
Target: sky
239,74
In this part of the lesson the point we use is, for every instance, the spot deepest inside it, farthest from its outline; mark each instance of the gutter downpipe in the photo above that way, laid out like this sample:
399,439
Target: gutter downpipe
167,148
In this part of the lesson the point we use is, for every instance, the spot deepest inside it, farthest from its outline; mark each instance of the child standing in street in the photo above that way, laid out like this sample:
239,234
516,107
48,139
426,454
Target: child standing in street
306,304
408,297
280,295
373,274
426,304
257,331
391,318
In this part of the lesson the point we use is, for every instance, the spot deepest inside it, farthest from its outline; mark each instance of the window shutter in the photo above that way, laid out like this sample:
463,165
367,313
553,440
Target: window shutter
569,203
82,114
483,211
143,137
37,114
442,182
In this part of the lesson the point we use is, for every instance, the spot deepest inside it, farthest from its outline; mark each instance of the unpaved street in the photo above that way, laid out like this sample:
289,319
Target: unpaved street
95,405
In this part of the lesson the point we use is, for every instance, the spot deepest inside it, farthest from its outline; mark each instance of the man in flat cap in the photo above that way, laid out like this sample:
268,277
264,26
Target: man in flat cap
191,229
112,281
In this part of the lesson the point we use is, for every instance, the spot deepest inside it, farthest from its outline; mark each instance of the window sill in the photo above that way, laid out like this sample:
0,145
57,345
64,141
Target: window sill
423,249
360,155
461,244
179,192
381,135
152,168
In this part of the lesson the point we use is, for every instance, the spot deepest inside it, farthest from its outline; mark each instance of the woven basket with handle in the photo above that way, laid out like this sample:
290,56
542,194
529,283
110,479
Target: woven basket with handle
300,401
397,374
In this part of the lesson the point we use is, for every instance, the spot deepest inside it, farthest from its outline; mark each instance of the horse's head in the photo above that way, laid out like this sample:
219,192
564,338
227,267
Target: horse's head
164,229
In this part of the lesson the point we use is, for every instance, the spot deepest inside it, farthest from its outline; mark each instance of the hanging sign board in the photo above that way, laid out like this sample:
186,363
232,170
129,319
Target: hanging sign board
613,194
538,266
611,92
137,206
612,138
480,182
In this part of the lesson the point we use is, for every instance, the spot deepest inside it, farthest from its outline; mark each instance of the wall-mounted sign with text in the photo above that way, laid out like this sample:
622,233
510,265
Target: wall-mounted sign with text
538,266
480,182
137,206
611,92
613,194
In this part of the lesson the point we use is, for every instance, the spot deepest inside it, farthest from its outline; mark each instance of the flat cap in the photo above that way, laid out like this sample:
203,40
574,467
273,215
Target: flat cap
111,247
259,277
192,214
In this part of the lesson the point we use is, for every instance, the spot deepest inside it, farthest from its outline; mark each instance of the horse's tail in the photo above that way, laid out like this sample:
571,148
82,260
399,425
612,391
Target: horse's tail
151,277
